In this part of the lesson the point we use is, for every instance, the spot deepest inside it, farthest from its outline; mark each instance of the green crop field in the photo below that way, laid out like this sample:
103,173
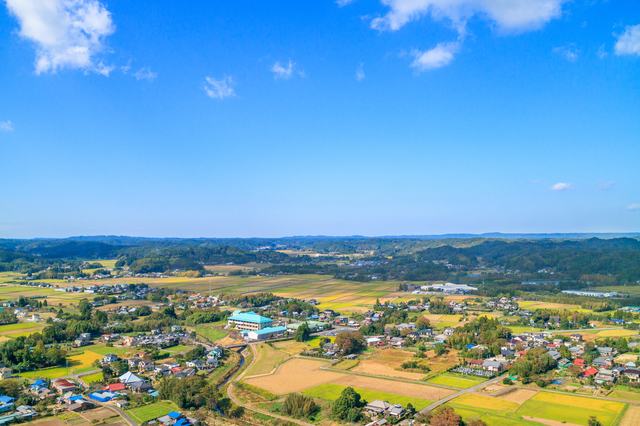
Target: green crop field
101,349
19,326
332,392
455,381
47,373
152,411
97,377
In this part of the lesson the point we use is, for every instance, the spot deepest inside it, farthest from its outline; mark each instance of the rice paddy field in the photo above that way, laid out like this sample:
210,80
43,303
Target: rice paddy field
331,392
268,358
529,407
77,364
152,411
456,381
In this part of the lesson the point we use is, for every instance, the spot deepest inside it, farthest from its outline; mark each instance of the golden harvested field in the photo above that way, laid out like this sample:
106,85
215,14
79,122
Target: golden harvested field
486,402
631,417
624,358
433,317
290,347
384,363
617,333
400,388
585,336
579,402
372,367
295,375
520,396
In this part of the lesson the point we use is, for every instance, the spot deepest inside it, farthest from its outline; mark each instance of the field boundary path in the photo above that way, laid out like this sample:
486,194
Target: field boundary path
462,392
247,407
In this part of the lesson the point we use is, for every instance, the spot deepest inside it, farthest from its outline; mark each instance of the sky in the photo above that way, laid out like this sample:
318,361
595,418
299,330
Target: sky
348,117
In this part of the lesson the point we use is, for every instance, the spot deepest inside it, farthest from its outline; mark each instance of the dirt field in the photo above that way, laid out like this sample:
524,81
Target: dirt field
52,421
624,358
407,389
496,387
374,367
632,417
520,396
295,375
99,413
548,422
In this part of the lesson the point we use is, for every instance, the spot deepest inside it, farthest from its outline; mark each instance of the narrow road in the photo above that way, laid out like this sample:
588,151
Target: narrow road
462,392
121,413
247,407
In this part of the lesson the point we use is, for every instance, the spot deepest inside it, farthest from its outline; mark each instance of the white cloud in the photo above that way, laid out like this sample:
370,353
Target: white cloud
605,186
6,126
634,206
342,3
570,52
629,41
602,52
281,72
509,15
536,181
145,73
219,89
360,73
437,57
125,68
561,186
67,33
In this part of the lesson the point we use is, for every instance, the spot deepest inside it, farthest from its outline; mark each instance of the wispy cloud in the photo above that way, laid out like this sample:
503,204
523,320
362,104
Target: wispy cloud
634,206
360,73
569,52
6,126
66,33
342,3
605,186
219,89
145,73
602,52
283,72
561,186
437,57
510,16
629,41
536,181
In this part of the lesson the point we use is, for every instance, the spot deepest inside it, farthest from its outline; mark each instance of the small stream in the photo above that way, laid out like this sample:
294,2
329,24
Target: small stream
237,369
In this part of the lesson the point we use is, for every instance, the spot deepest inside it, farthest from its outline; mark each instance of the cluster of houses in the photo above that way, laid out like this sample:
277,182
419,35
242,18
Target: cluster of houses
504,304
11,413
176,419
379,409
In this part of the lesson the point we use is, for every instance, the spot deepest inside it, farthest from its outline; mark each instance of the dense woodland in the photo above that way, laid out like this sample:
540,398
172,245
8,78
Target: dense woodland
503,264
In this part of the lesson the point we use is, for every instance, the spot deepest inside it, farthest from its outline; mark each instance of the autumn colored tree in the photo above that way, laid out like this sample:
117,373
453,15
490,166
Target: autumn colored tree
445,416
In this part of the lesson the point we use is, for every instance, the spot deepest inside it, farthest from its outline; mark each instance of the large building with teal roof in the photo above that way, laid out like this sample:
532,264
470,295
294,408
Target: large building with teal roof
249,321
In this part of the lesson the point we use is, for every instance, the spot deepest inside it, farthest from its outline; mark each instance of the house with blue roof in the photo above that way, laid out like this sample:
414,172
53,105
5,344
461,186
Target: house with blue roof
266,333
248,321
6,403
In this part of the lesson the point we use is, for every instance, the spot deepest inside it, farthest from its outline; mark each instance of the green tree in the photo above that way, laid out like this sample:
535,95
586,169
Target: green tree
348,406
302,333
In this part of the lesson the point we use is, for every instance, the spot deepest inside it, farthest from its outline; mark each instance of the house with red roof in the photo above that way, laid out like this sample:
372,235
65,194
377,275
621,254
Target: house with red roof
580,362
590,372
115,387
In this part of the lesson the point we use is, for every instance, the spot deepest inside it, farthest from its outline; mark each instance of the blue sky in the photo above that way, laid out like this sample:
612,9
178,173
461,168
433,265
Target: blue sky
392,117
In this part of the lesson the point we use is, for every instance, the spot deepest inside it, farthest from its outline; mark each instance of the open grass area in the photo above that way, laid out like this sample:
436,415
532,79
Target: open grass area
211,333
630,396
331,392
152,411
517,329
454,381
268,358
101,349
179,348
492,418
19,326
97,377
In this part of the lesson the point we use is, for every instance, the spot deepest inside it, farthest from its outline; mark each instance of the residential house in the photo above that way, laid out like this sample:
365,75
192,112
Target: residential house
145,365
605,362
196,363
5,373
607,351
490,365
576,338
6,403
83,339
605,376
632,374
109,358
63,386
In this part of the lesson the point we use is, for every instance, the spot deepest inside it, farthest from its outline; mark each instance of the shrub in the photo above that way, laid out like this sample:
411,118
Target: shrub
507,381
297,405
